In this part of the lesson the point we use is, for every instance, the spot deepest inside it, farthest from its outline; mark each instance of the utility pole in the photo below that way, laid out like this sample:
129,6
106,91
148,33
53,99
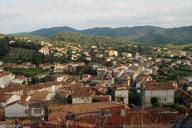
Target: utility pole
122,114
99,123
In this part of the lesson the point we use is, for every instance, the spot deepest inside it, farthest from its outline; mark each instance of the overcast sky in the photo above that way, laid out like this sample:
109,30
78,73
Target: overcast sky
28,15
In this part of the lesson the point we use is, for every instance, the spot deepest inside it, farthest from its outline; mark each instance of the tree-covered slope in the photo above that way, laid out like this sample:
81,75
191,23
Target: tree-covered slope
52,31
88,40
142,34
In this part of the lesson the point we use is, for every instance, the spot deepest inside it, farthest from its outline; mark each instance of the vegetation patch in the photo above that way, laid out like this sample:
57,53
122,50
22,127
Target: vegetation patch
28,72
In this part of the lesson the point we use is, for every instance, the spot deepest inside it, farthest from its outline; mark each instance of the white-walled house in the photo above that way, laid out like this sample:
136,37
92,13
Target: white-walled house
1,63
134,70
60,67
163,91
127,55
142,79
36,112
44,50
13,98
21,80
111,53
16,110
101,71
85,77
6,99
50,87
81,95
61,77
23,108
41,96
81,100
121,93
6,78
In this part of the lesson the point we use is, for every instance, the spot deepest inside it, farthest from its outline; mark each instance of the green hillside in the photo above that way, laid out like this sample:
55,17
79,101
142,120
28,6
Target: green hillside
18,54
75,38
141,34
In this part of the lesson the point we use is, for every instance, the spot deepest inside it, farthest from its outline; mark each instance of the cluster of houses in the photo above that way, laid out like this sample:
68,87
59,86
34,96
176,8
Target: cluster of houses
111,89
105,91
77,51
7,78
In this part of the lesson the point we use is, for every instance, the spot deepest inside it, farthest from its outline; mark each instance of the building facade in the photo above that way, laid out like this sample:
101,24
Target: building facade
163,91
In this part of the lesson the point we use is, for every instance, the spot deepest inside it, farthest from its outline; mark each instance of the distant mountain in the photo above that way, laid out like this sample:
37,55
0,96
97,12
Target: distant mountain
52,31
141,34
171,35
129,32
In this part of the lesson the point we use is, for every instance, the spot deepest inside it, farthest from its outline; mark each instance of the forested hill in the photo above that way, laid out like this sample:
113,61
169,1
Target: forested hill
66,38
52,31
143,34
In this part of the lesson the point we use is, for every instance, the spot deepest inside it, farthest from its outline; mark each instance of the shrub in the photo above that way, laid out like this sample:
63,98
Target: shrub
154,101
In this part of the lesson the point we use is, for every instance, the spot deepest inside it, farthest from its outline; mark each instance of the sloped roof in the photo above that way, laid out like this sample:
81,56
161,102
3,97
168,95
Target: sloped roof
80,92
39,96
60,111
3,73
153,85
4,97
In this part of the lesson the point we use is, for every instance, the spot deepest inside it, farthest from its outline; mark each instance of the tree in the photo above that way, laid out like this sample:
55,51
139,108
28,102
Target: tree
82,70
69,54
45,106
69,99
81,58
58,98
49,58
109,63
4,49
178,99
26,45
37,58
134,97
111,92
154,101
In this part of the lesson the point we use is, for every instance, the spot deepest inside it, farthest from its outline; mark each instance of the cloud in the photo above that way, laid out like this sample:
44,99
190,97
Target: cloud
28,15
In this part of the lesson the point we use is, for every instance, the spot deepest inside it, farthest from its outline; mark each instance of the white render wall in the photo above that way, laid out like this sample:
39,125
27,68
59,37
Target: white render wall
13,98
80,100
18,81
6,80
50,96
122,93
164,96
15,110
61,78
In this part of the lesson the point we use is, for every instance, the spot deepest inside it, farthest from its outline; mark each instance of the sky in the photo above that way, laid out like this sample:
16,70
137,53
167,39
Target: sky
29,15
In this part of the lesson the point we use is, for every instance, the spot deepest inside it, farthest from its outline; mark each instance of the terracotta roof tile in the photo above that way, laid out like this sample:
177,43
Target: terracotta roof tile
81,92
153,85
4,97
39,96
60,111
3,73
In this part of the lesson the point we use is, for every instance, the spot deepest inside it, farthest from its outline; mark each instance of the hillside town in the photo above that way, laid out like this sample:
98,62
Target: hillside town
97,88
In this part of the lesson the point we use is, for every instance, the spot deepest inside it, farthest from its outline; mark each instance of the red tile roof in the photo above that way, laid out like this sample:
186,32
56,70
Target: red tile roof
4,97
153,85
60,111
3,73
39,96
81,92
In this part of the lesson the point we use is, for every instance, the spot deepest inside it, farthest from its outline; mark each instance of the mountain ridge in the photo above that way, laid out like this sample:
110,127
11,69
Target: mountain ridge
137,33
